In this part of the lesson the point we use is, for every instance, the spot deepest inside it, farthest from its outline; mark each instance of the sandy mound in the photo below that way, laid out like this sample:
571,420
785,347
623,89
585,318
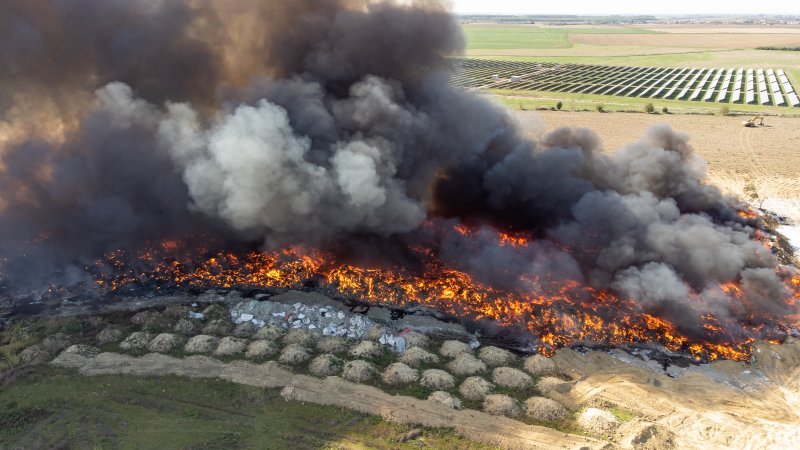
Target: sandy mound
136,341
399,373
539,365
294,354
269,333
230,346
201,343
451,349
109,335
165,343
375,333
446,399
325,365
56,342
475,388
218,327
598,421
83,350
261,349
511,378
358,371
415,356
494,356
244,330
465,364
300,337
547,385
143,317
366,349
437,379
501,405
544,409
185,326
333,344
414,339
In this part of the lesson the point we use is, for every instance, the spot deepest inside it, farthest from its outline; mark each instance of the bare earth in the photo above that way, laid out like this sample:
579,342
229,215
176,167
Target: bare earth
769,156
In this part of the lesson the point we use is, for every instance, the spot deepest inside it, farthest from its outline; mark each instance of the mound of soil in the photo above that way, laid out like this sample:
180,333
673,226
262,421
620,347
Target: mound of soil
451,349
465,365
325,365
511,378
333,344
294,354
446,399
269,333
300,337
399,373
202,343
358,371
475,388
598,421
229,346
165,343
501,405
495,357
544,409
437,379
261,349
136,341
366,349
539,365
415,356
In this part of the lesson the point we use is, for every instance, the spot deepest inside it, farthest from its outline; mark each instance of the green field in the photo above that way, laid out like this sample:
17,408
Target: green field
511,37
56,408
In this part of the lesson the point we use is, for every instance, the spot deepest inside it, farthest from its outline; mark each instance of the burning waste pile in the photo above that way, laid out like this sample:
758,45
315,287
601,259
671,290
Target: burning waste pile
320,147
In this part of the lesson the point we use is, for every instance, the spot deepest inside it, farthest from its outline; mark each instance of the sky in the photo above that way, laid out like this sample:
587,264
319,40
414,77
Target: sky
587,7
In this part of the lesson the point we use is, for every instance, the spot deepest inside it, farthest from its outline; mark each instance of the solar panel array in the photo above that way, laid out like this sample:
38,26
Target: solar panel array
730,85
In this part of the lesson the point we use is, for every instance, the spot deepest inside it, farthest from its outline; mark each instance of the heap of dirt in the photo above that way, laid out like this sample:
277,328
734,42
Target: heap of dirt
399,373
465,365
501,405
475,388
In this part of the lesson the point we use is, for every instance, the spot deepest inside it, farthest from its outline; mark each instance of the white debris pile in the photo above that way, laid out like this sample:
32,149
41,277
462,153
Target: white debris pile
327,320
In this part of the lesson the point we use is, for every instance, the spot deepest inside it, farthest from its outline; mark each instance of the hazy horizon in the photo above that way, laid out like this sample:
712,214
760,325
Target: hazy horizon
620,7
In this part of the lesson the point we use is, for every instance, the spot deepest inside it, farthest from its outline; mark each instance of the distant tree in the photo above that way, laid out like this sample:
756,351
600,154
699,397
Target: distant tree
649,108
600,108
559,105
725,111
665,110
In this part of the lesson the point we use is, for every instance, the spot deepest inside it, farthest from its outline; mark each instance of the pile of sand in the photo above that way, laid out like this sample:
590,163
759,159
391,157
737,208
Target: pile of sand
201,343
333,344
539,365
465,365
399,373
544,409
358,371
501,405
165,343
269,333
475,388
494,356
511,378
325,365
294,354
416,356
229,346
261,349
366,349
451,349
437,379
300,337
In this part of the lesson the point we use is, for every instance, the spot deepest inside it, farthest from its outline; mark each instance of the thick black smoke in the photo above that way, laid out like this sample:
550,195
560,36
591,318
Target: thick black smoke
332,122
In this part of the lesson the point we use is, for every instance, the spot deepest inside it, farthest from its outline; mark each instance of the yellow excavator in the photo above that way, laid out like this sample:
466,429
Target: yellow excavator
751,122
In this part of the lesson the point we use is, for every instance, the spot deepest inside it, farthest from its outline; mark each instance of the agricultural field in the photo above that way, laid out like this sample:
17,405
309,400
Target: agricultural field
604,63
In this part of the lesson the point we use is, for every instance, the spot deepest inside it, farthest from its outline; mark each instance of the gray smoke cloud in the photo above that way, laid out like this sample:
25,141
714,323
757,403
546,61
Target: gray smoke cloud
333,125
